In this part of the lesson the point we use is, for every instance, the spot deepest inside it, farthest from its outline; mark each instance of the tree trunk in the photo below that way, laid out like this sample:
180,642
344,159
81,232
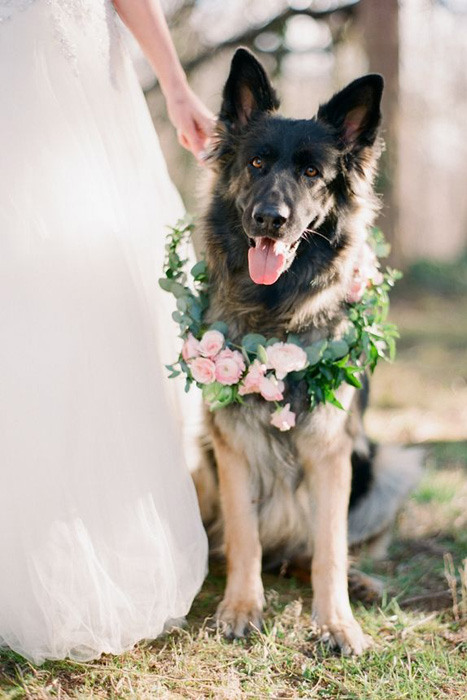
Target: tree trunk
378,21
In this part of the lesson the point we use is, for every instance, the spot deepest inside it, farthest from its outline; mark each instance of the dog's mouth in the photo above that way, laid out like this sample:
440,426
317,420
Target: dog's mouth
269,258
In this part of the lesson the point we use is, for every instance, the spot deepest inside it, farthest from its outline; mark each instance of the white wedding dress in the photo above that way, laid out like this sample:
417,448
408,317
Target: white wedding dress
101,543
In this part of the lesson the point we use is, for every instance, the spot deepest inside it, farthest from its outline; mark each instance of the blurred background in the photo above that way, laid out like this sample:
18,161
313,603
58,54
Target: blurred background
311,48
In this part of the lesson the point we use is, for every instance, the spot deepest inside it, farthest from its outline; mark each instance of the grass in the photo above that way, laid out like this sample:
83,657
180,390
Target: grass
420,626
420,647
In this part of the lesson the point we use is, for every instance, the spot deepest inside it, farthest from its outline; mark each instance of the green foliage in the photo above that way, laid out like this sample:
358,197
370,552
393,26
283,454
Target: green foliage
331,362
442,277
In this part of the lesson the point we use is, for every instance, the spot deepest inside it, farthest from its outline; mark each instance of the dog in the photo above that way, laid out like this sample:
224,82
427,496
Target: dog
309,493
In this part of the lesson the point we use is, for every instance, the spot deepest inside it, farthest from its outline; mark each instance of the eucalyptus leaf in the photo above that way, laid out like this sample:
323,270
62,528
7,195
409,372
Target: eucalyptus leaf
199,269
315,351
271,341
295,339
182,304
337,349
165,284
194,309
351,335
219,326
178,290
297,376
251,341
174,260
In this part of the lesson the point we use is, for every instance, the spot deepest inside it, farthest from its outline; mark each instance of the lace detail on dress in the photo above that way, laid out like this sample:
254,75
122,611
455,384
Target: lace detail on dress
10,7
96,19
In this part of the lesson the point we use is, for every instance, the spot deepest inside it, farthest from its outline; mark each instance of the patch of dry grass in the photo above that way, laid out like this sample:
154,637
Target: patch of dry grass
420,627
423,396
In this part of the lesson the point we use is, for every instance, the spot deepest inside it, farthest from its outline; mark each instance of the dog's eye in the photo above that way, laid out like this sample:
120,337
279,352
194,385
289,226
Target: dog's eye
311,172
256,162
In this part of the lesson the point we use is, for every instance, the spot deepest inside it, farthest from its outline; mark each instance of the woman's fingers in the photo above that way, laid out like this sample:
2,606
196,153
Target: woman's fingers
194,138
182,140
194,122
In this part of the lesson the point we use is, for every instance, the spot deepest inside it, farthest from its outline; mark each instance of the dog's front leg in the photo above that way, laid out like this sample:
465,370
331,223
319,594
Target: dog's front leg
329,469
242,605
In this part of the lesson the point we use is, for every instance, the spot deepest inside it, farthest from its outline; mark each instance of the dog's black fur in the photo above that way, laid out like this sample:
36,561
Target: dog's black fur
344,154
308,184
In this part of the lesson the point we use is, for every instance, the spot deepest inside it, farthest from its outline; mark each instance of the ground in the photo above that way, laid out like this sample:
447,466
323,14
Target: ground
420,626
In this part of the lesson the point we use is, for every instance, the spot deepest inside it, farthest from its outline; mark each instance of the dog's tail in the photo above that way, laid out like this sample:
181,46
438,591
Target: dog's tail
381,481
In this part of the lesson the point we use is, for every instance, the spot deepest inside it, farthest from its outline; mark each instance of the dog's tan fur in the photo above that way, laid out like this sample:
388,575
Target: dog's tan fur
243,598
325,455
264,510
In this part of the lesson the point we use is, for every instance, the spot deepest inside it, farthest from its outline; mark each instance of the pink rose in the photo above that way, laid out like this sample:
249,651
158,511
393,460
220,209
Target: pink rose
229,366
211,343
377,277
251,383
357,288
190,348
203,370
271,389
365,272
285,358
283,418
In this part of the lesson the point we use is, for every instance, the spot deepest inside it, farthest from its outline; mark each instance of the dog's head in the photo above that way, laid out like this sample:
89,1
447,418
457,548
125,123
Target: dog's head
287,176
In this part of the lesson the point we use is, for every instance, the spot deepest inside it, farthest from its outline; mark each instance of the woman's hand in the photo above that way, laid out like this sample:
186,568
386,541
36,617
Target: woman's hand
191,118
193,121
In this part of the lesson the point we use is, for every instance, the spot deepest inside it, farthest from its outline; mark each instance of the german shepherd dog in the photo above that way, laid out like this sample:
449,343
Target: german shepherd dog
310,492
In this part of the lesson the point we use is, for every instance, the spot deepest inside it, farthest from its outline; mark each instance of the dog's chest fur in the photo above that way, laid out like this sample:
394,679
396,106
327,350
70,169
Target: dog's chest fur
281,488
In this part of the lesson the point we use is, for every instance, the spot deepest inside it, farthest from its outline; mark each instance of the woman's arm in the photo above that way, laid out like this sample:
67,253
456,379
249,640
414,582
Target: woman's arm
146,21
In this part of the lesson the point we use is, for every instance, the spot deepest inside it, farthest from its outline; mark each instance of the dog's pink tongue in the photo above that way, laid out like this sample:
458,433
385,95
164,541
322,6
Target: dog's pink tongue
265,262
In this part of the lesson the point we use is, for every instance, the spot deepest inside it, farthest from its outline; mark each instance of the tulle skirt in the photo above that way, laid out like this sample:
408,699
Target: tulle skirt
101,542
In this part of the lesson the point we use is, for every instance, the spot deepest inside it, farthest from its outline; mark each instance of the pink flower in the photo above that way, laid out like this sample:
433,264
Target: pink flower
203,370
211,343
357,288
365,272
251,383
377,277
190,348
285,358
229,366
271,389
283,418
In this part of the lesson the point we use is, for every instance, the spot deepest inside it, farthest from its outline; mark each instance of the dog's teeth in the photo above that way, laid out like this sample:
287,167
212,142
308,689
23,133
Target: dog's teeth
279,247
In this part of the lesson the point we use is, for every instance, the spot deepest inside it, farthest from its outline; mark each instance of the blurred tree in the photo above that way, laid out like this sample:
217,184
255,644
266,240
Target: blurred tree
196,47
264,28
378,23
340,11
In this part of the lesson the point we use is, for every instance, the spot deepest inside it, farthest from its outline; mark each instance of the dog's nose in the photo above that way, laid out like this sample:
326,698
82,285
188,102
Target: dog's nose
270,217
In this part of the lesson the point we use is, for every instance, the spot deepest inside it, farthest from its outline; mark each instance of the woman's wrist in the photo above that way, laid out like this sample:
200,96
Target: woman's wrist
174,84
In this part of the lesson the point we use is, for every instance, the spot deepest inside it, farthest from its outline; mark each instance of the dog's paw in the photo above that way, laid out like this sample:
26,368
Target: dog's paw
345,635
237,620
363,587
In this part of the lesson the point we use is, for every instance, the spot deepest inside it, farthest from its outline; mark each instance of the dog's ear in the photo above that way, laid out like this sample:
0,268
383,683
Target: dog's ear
355,112
246,91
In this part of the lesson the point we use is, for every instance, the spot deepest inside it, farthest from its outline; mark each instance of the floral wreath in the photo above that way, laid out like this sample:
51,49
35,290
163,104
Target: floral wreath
226,372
